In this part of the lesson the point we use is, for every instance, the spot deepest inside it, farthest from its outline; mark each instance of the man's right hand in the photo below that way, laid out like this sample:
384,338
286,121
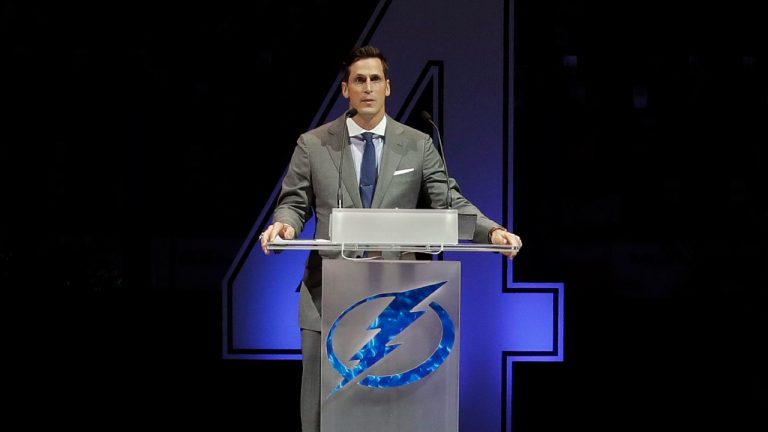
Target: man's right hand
285,231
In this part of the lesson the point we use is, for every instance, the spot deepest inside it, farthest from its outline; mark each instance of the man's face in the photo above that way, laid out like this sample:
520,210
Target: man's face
367,89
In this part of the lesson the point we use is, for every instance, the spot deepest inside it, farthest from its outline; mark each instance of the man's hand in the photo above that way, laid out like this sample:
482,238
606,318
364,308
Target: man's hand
504,237
285,231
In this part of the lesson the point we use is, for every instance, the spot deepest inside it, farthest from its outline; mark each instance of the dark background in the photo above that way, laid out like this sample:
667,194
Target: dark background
141,141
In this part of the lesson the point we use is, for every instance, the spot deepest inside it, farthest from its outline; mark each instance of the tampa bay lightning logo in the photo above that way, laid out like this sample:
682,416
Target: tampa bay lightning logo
395,318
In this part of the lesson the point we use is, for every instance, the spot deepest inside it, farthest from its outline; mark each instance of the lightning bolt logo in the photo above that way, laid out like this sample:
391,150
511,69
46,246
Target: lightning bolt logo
392,321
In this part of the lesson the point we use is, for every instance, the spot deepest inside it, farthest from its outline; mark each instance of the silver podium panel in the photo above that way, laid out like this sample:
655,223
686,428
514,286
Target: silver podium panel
390,335
394,226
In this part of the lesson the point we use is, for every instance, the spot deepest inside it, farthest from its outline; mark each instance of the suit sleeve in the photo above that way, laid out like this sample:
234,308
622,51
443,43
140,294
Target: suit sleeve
294,206
433,188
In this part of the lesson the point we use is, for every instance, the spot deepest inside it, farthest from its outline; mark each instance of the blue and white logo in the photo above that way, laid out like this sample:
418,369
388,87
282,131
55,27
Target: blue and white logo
392,321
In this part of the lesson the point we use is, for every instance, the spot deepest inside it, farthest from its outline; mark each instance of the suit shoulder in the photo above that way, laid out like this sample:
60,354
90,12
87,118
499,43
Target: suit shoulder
321,130
318,135
410,133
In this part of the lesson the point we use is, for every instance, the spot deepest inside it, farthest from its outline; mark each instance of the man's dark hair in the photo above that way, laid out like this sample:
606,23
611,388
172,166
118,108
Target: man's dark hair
364,53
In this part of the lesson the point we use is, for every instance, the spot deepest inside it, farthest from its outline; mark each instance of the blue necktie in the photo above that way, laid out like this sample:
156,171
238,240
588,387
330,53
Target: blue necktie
368,172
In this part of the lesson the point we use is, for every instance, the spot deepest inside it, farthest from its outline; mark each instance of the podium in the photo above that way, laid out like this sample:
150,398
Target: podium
390,327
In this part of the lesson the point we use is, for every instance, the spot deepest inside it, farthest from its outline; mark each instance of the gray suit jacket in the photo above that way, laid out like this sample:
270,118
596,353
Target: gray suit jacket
311,185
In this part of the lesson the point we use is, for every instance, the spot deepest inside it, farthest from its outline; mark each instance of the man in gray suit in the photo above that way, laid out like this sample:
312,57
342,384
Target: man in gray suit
410,171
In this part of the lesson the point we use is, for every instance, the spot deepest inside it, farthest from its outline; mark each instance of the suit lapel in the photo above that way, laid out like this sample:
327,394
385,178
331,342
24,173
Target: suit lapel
348,175
390,159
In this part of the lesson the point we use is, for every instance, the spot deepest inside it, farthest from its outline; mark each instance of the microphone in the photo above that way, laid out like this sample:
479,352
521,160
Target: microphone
448,198
344,141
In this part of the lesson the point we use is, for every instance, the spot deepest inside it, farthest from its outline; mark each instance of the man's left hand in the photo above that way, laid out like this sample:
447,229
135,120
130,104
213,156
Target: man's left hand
502,237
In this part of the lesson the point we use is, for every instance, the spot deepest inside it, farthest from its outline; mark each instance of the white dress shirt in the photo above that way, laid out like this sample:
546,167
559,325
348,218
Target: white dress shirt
358,144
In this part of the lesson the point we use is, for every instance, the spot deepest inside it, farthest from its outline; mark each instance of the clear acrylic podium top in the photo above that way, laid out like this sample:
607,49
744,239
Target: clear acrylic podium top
398,230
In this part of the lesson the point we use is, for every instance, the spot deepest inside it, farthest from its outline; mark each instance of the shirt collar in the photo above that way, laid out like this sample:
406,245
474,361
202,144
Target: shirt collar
355,130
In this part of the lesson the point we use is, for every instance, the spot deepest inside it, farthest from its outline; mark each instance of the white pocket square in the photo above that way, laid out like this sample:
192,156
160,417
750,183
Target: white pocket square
403,171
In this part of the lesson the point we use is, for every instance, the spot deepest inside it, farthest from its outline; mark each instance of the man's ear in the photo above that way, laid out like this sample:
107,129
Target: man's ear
344,90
